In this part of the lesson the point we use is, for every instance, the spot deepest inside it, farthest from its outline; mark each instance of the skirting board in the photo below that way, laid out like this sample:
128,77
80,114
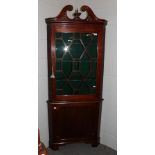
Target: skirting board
109,141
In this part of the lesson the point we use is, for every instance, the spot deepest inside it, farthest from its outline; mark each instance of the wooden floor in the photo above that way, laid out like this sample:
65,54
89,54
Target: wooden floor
82,149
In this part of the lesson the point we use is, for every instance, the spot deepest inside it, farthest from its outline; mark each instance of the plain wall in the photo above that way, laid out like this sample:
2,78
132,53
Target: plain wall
106,9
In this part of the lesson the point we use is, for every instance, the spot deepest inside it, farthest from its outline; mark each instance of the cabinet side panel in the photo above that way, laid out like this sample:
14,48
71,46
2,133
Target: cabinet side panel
49,58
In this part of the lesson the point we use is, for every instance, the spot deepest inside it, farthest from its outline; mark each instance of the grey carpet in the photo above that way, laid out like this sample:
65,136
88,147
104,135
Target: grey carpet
82,149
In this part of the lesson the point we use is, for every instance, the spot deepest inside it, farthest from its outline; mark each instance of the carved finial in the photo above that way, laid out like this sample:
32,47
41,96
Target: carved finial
76,14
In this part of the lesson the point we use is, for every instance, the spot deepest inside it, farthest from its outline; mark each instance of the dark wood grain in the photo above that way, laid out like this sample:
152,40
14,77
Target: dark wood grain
74,118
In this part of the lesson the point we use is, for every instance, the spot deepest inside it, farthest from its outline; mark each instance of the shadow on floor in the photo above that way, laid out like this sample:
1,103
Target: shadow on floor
82,149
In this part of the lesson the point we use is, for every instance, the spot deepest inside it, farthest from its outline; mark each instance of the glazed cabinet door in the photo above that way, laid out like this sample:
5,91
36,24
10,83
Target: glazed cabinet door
76,62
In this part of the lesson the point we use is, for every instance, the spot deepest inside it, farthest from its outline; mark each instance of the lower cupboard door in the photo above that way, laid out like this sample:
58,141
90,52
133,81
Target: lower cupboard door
75,122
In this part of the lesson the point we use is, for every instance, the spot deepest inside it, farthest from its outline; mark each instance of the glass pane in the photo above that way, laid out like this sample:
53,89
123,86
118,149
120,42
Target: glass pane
92,50
67,89
76,63
75,84
84,68
84,88
59,48
58,65
60,84
76,49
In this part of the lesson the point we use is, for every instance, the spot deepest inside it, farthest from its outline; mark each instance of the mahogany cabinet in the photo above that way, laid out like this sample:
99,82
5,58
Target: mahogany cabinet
75,73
